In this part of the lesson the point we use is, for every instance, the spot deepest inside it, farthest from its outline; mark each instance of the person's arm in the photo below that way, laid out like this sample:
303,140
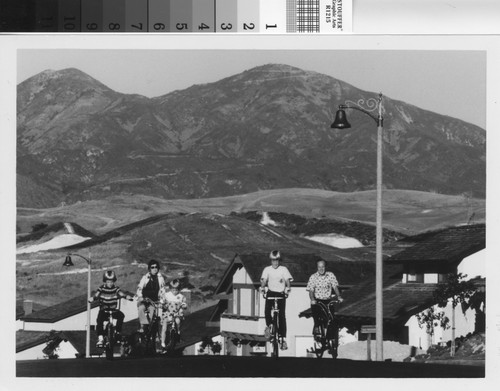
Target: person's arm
310,289
96,296
263,282
123,295
335,286
288,279
142,282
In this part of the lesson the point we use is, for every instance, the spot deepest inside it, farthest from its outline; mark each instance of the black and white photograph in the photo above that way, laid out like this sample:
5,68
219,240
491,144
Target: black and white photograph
247,208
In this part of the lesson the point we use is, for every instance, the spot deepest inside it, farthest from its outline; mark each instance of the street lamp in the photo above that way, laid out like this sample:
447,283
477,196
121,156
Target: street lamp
340,122
68,262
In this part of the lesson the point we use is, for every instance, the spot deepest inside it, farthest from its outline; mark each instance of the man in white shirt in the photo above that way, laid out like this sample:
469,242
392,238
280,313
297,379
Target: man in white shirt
277,279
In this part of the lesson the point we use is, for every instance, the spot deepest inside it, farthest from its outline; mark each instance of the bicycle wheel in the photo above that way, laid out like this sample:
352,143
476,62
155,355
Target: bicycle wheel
172,338
275,337
150,338
109,347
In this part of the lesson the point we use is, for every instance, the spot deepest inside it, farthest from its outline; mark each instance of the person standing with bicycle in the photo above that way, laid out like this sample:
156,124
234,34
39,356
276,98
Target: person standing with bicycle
149,287
108,295
276,278
320,287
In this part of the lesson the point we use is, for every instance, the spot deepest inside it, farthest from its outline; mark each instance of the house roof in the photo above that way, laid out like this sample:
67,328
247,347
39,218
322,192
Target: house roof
62,310
402,300
301,266
20,308
448,245
193,329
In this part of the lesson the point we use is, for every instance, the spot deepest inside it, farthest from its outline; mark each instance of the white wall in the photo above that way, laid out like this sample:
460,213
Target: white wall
474,265
464,324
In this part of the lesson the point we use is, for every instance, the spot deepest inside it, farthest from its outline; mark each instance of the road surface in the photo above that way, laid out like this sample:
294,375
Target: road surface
231,366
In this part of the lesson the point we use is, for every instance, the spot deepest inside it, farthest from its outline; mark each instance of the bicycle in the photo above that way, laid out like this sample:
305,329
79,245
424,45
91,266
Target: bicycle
151,335
328,337
109,328
172,337
275,337
109,334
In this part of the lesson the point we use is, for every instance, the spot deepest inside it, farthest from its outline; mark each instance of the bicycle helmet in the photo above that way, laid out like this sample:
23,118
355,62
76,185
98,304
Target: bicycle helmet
109,275
174,283
153,262
275,255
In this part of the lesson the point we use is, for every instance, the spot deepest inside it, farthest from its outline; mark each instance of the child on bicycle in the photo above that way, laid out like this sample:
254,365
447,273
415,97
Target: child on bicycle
276,278
173,306
108,295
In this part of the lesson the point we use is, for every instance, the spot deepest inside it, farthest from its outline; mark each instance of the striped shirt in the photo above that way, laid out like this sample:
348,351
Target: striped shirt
109,297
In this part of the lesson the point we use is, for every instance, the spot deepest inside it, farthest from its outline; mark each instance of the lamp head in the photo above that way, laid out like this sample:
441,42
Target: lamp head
68,261
340,121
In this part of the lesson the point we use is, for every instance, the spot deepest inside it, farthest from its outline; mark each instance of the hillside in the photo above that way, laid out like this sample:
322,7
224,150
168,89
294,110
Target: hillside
266,128
197,247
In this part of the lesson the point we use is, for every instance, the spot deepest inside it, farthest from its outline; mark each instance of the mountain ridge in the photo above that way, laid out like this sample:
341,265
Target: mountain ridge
267,127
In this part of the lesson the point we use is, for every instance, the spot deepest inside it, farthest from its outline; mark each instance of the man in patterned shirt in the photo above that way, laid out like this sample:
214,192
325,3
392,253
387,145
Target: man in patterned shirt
320,287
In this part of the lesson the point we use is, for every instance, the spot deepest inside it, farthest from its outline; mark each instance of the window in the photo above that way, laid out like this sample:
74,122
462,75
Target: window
415,277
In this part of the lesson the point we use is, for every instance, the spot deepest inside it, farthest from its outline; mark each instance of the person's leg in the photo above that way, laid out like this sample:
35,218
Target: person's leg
267,312
282,316
315,313
119,316
141,312
164,323
99,322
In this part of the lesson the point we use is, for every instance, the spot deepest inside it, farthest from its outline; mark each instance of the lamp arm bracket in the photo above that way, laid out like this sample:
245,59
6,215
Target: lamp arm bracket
81,256
366,106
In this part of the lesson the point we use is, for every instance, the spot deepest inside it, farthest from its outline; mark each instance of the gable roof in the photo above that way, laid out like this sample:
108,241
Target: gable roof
301,267
193,329
20,308
62,310
449,245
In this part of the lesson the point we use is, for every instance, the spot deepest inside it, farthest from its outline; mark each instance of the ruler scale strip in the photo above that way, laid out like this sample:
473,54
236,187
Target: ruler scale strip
179,16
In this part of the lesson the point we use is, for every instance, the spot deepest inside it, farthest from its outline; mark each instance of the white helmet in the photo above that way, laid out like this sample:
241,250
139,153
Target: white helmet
109,275
274,255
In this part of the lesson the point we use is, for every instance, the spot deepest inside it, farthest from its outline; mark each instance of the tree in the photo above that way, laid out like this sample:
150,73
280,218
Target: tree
53,340
457,291
432,319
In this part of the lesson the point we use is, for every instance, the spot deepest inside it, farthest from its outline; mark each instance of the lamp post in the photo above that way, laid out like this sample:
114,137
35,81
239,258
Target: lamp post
340,122
68,262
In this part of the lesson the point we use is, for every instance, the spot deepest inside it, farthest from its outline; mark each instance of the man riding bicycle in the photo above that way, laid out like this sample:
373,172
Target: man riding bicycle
108,295
149,287
320,287
277,279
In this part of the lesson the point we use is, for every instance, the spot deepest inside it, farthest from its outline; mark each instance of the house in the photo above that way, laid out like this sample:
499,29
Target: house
70,315
452,250
30,344
410,279
243,323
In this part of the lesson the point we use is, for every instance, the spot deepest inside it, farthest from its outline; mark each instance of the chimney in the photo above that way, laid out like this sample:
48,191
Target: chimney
27,307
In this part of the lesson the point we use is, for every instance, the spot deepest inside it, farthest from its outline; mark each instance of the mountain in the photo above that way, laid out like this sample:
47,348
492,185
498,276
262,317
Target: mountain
265,128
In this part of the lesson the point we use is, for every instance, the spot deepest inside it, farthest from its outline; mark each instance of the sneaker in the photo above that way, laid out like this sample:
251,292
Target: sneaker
283,346
100,341
267,332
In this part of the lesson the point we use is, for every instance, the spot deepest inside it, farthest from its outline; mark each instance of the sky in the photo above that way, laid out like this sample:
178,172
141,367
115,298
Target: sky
450,82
